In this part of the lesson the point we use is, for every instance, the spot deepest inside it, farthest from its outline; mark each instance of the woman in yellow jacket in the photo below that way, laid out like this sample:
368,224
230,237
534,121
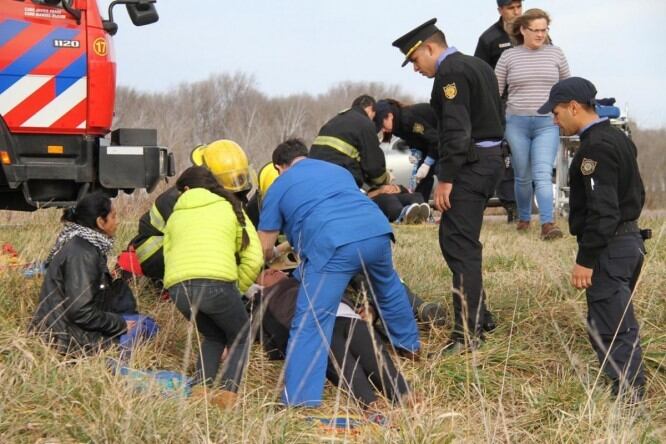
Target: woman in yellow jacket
211,255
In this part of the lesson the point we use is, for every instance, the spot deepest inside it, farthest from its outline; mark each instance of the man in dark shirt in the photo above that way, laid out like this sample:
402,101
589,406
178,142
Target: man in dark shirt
492,43
466,100
495,40
349,140
606,199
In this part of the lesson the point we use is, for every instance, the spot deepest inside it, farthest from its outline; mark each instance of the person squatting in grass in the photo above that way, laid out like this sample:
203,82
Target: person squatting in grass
73,313
211,251
607,196
337,232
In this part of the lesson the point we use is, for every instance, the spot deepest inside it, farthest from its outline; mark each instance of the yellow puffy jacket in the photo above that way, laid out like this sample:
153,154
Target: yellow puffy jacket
202,238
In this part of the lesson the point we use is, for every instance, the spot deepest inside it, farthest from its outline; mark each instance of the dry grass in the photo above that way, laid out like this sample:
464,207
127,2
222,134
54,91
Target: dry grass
535,380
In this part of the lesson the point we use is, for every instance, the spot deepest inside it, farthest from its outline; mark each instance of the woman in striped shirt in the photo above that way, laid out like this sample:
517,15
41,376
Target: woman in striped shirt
526,74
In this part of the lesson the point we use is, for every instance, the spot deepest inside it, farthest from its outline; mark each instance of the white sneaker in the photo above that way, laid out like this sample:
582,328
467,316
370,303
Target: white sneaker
412,214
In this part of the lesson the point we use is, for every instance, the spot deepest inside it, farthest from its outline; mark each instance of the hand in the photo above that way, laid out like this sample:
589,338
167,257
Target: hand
130,325
442,196
422,172
581,277
367,315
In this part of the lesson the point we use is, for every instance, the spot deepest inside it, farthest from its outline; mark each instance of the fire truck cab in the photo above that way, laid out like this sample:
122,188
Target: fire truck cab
57,92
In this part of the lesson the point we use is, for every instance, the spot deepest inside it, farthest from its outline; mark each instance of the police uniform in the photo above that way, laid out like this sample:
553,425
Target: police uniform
349,140
466,101
417,126
338,232
492,43
149,242
606,198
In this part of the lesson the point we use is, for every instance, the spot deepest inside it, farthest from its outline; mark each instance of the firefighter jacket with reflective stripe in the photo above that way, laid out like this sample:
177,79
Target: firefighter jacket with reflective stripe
350,140
202,240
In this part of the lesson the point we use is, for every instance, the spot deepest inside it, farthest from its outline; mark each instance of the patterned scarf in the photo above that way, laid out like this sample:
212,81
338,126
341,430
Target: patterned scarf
99,240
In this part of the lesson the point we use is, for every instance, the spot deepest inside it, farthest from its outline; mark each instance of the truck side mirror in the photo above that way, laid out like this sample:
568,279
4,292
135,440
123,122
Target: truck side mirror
142,13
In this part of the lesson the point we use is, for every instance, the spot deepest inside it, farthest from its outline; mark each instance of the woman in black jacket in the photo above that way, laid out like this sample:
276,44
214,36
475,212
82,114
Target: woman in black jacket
72,313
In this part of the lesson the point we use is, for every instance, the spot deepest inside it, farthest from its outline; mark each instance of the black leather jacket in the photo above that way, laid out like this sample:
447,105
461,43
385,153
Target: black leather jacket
71,311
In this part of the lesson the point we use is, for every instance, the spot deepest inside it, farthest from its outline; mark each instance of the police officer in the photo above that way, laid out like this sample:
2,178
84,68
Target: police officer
492,43
349,139
606,199
495,40
466,101
338,232
228,163
417,126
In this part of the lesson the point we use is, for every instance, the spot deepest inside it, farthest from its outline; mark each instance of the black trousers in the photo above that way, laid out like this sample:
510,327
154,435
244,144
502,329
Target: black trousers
459,231
613,327
392,204
504,189
360,364
220,316
425,186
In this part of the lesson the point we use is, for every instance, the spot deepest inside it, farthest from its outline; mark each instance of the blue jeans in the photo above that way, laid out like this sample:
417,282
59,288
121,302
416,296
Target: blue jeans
318,298
534,142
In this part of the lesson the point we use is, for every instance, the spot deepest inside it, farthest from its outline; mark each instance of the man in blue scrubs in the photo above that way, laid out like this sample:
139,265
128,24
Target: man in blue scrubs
338,232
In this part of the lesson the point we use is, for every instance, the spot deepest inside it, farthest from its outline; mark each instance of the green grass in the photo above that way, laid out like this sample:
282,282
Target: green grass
536,379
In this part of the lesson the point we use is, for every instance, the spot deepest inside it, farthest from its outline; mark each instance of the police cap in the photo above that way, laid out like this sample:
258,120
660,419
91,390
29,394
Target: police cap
415,38
574,88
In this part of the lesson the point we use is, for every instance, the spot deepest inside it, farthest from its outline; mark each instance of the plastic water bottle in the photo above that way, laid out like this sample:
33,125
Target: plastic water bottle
418,155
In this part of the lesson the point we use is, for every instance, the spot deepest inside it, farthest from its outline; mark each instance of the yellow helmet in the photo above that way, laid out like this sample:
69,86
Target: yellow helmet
267,175
227,161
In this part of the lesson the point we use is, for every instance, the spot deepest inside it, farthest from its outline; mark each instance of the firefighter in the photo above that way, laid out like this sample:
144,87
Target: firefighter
417,126
466,101
228,163
337,232
606,199
349,139
265,177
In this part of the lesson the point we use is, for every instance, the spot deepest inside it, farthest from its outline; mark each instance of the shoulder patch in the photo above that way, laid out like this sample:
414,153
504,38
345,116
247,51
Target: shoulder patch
450,91
588,166
418,128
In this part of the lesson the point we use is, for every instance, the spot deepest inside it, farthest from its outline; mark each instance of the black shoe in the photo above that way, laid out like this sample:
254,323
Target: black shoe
432,313
511,212
488,324
410,355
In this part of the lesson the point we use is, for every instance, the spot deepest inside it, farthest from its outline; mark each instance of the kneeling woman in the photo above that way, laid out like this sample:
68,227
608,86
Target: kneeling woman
211,251
71,312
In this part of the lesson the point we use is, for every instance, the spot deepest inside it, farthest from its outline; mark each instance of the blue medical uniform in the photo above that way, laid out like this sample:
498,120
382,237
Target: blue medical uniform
338,233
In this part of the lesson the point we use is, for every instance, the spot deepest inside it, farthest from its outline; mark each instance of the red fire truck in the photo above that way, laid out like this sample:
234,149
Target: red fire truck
57,91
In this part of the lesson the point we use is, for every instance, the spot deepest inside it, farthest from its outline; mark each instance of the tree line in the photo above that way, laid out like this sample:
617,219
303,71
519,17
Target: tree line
231,106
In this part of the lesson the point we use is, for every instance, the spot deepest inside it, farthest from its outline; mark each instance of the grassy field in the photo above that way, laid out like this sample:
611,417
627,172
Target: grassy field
536,379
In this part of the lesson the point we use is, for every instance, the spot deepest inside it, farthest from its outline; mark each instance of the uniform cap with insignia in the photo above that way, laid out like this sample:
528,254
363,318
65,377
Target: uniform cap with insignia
409,42
574,88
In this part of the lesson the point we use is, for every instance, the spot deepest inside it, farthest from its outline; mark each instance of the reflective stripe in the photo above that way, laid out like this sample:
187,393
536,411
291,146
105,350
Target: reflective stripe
156,219
149,247
339,145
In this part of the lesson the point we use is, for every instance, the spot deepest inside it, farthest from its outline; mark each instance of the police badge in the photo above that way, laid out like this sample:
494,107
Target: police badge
418,128
587,166
450,91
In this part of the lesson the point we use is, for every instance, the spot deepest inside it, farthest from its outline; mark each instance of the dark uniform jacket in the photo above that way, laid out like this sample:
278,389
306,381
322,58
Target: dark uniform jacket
73,300
466,100
148,243
492,43
606,189
359,151
417,126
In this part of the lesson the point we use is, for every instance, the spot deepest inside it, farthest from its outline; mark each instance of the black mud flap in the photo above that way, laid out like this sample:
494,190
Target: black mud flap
128,167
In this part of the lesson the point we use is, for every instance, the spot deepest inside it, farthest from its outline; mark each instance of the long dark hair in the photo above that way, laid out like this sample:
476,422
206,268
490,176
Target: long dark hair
200,177
88,209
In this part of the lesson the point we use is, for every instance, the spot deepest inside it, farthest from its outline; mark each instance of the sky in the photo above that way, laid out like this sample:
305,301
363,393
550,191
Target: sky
294,46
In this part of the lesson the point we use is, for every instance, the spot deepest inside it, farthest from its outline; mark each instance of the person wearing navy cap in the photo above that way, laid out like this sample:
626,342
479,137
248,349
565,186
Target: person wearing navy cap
466,100
492,43
338,232
606,198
